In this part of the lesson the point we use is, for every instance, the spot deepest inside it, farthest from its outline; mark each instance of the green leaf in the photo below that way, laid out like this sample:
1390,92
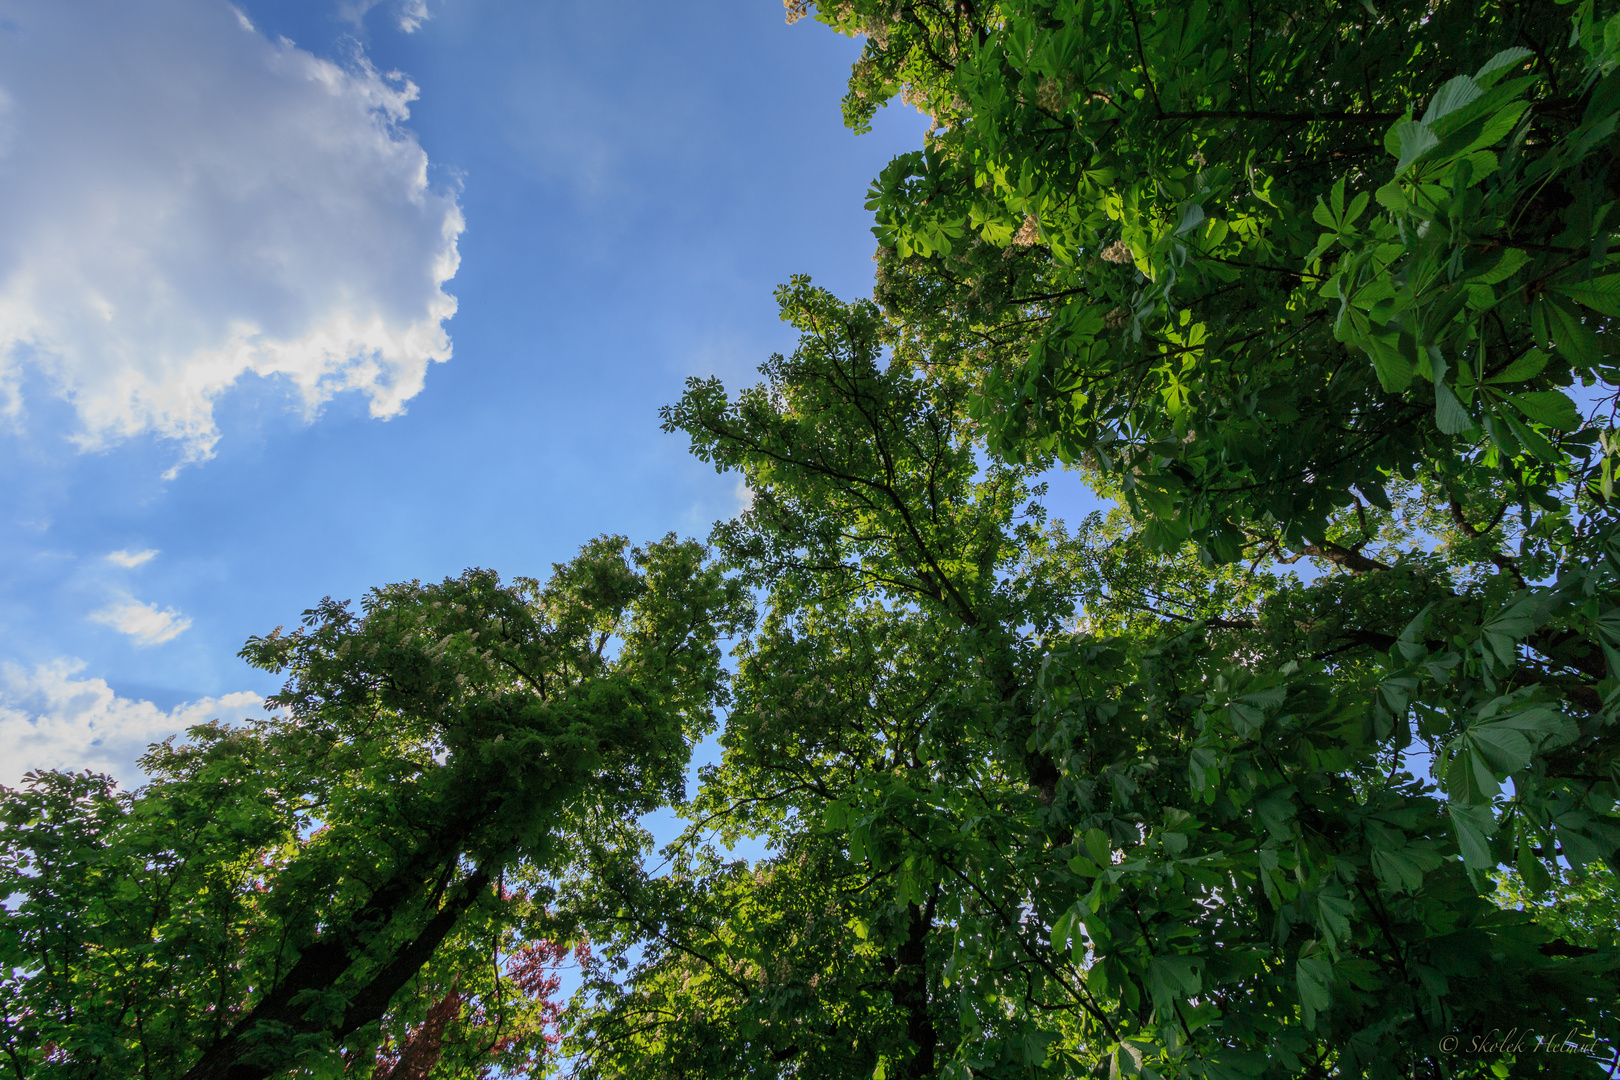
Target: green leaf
1500,64
1376,495
1573,337
1530,867
1357,206
1314,975
837,815
1508,626
1395,370
1474,825
1508,265
1392,139
1277,812
1126,1060
1084,866
1600,294
1061,930
1530,439
1392,198
1190,219
1173,978
1229,1064
1525,367
1577,847
1403,868
1332,215
1451,96
1503,749
1410,642
1323,242
1334,912
1550,727
1493,131
1449,413
1548,407
1415,139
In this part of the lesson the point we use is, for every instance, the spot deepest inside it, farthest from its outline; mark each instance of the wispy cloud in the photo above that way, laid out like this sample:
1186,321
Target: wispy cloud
131,559
50,719
409,15
184,202
146,623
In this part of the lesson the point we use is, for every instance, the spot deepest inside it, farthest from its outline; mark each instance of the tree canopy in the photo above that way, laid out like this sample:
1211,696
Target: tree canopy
1302,286
385,837
1178,239
1301,760
1046,802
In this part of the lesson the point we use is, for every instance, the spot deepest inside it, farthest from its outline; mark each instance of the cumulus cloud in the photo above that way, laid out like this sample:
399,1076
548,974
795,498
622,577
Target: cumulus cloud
131,559
50,719
144,622
184,202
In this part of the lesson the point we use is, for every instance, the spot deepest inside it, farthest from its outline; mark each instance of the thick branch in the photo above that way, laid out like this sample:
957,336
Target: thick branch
371,1001
1353,561
322,964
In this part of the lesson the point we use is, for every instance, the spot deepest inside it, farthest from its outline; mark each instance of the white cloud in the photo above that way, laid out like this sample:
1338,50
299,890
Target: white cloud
143,622
184,202
131,559
51,720
409,15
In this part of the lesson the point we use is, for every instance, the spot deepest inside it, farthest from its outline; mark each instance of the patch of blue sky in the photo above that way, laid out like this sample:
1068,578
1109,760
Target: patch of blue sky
633,181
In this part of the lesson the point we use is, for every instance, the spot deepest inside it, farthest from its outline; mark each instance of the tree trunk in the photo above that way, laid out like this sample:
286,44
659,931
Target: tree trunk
911,989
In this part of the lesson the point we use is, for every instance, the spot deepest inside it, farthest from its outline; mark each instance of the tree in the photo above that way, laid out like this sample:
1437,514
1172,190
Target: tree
1043,803
1296,282
1252,259
289,892
1267,270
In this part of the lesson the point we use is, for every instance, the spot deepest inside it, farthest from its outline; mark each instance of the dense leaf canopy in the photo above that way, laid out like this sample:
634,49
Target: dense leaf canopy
1303,286
1176,240
1046,802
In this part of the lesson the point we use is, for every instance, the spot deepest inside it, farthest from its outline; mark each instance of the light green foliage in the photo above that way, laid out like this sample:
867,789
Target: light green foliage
1583,907
315,881
1252,259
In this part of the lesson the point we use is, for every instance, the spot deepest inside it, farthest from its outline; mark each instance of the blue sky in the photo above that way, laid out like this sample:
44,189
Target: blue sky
301,298
198,195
